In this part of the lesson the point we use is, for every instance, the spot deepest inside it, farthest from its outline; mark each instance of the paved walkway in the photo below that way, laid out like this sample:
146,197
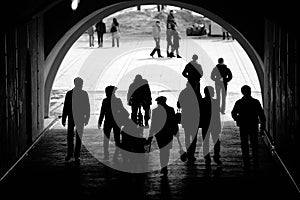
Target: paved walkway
44,174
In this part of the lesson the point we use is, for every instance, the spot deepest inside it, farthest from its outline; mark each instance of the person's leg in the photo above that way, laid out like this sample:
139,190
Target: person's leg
70,141
99,38
113,40
205,138
192,148
217,145
146,108
224,94
79,133
254,145
164,160
245,147
107,129
218,93
117,133
134,110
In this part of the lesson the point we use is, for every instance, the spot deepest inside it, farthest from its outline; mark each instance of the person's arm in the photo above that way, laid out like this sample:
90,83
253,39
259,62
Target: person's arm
88,109
200,71
234,112
102,113
185,71
229,75
213,74
65,109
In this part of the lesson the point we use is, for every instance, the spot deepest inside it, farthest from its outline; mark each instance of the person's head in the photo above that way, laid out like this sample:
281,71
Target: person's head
171,11
246,90
110,90
138,78
78,82
115,21
209,91
220,60
195,57
161,100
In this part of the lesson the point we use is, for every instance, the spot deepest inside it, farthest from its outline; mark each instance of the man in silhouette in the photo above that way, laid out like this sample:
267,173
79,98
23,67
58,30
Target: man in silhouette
100,29
110,111
211,125
77,110
190,118
248,113
193,72
163,127
156,36
221,74
139,95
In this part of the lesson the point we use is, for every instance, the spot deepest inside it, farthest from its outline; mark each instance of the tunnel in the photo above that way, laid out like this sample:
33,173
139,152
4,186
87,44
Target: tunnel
36,41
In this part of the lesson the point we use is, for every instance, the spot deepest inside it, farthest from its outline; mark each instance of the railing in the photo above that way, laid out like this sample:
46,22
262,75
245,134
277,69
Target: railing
271,145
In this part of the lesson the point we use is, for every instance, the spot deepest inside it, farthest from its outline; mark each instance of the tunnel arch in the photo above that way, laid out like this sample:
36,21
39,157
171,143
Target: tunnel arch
57,54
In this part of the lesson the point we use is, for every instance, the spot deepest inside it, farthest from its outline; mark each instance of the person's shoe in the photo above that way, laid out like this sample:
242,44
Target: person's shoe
168,54
178,56
172,55
151,55
223,112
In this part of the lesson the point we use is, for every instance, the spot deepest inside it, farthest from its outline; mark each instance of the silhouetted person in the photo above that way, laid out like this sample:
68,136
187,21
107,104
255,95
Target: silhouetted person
91,36
100,29
221,74
115,32
175,47
110,110
193,72
156,36
163,127
139,95
77,110
190,118
171,25
248,113
225,34
211,125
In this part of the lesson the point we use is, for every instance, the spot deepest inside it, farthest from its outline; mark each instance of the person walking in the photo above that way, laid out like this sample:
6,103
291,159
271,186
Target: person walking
77,110
248,114
211,125
175,47
110,109
163,127
139,95
115,31
90,32
156,36
171,26
188,102
100,29
193,72
221,75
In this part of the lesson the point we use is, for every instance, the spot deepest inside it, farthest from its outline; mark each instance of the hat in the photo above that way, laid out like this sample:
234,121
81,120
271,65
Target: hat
161,99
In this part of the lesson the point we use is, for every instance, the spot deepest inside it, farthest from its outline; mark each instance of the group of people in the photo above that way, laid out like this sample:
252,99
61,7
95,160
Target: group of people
100,29
196,112
172,36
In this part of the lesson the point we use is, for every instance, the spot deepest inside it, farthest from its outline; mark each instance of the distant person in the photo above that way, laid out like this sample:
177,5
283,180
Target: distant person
171,26
163,127
225,34
193,72
221,74
100,29
91,36
139,95
248,114
110,110
156,36
190,119
115,31
77,110
175,47
211,125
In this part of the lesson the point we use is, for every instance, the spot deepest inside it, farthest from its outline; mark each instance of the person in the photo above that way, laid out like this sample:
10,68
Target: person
175,47
248,114
171,26
77,109
193,72
156,36
190,119
100,29
211,125
110,109
225,34
91,36
163,127
221,74
139,94
115,31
